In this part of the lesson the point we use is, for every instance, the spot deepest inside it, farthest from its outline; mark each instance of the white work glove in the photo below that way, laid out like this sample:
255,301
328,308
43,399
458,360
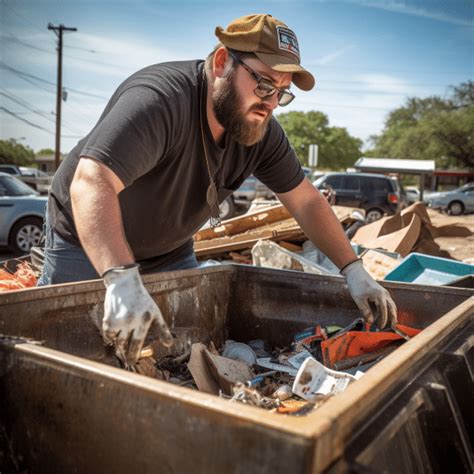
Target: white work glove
129,312
364,289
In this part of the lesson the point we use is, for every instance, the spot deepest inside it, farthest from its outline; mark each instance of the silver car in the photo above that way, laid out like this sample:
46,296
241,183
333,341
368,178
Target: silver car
455,202
22,211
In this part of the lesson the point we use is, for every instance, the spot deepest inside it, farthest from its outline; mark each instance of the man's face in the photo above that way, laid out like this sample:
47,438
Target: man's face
244,115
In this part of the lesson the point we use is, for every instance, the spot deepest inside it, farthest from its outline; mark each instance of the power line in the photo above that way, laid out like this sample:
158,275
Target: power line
24,18
32,76
24,120
31,108
23,43
21,102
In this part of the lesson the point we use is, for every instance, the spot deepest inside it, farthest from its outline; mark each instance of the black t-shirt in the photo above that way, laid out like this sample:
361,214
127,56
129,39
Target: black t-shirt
149,134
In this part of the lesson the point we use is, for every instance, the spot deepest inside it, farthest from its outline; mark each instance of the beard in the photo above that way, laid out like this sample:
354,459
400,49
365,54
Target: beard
227,106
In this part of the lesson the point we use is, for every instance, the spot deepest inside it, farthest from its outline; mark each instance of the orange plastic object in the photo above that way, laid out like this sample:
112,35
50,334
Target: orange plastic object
356,343
24,277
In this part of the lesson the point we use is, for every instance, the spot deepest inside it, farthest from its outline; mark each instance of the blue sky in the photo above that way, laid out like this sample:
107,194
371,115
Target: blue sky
367,56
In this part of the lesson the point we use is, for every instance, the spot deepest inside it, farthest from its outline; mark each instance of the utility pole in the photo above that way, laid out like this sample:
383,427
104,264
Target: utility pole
59,33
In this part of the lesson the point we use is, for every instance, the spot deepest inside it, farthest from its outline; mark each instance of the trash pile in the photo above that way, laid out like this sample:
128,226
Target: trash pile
271,238
320,363
24,276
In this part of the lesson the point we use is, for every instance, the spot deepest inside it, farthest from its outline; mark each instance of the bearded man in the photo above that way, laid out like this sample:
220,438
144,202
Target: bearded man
173,142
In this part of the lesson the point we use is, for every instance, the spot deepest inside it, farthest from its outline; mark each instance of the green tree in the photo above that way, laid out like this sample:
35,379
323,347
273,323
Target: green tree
15,153
45,151
336,148
431,128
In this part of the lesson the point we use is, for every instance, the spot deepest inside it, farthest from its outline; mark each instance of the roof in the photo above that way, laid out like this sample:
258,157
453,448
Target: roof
395,165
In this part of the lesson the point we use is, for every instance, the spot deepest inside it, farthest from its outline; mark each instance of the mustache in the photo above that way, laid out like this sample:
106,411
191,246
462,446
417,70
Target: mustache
260,108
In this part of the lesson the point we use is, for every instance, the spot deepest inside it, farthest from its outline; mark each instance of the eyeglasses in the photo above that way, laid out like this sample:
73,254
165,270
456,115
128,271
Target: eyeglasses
265,89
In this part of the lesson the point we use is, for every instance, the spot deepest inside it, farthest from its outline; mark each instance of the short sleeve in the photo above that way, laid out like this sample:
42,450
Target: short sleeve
132,137
278,167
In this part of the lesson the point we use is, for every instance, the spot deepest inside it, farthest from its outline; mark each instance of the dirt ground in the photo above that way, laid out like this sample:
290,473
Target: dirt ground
460,248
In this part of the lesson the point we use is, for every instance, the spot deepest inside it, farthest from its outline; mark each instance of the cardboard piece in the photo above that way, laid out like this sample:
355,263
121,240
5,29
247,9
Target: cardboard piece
227,372
401,241
199,369
384,226
417,208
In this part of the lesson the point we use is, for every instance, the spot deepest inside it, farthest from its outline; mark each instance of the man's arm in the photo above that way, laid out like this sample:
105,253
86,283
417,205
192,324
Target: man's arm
97,216
316,218
322,227
129,310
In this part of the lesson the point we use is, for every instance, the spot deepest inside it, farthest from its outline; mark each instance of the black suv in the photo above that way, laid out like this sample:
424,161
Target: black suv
375,193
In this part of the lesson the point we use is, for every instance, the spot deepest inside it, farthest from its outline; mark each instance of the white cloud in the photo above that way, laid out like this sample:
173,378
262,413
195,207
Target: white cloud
330,57
410,9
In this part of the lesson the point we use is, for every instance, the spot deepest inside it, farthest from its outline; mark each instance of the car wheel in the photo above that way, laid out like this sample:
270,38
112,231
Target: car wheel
456,208
373,215
226,208
25,234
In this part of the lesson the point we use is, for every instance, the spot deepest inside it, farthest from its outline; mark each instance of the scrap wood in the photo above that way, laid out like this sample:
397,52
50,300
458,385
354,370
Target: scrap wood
260,218
245,222
282,230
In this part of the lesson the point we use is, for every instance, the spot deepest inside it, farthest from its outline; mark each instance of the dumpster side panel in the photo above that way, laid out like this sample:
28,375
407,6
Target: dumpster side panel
58,417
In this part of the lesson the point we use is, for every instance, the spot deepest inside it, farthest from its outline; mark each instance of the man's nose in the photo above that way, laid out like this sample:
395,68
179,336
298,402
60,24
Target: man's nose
272,101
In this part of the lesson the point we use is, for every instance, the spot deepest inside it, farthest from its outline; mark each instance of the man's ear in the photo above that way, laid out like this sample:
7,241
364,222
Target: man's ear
220,59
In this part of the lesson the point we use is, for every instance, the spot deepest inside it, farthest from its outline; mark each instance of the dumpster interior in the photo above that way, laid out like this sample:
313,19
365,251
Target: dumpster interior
210,311
243,335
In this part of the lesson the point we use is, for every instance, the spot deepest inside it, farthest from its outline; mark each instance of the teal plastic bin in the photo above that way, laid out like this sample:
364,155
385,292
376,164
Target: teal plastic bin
428,270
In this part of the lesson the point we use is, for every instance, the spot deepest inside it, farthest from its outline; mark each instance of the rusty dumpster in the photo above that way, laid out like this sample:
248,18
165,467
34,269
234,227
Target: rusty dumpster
67,407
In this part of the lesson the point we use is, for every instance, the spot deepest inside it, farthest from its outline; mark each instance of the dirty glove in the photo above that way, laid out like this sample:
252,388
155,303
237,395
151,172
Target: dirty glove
129,312
364,289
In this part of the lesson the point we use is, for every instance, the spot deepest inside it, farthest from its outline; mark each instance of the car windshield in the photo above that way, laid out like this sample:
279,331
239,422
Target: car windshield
10,186
466,187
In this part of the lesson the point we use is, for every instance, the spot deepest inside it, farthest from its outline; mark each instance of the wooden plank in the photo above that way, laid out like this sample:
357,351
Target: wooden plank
246,222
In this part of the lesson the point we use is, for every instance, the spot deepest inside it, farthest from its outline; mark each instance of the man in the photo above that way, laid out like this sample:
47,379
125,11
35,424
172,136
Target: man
175,140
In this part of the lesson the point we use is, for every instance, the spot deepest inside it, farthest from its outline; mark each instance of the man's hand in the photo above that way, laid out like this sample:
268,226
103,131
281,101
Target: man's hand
364,289
129,311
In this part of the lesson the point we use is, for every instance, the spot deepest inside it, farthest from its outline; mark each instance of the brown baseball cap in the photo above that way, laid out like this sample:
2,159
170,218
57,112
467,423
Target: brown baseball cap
271,41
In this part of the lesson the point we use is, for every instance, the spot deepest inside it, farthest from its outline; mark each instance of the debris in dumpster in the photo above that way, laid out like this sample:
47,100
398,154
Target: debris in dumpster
354,343
267,364
283,393
227,372
250,396
23,277
260,347
298,407
320,362
314,380
239,351
199,370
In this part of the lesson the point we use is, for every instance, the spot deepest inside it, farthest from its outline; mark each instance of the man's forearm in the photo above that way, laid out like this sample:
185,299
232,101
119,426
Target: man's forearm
319,222
98,218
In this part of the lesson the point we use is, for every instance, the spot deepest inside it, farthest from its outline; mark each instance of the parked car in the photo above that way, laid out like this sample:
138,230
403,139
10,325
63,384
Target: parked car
377,194
242,198
413,194
21,214
454,202
36,179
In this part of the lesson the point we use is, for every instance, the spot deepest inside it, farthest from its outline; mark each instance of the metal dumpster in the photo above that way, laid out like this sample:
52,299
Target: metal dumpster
65,408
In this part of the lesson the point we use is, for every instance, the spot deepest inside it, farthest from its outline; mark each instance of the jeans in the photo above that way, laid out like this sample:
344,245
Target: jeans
65,262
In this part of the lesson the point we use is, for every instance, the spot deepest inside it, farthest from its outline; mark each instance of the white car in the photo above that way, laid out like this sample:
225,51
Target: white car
456,202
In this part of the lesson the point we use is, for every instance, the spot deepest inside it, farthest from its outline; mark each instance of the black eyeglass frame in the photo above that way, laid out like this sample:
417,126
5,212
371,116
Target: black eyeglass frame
271,89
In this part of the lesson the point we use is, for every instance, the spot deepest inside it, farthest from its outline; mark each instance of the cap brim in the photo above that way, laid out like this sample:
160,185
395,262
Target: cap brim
302,78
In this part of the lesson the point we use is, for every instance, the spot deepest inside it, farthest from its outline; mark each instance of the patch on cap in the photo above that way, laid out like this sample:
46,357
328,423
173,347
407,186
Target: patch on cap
287,41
